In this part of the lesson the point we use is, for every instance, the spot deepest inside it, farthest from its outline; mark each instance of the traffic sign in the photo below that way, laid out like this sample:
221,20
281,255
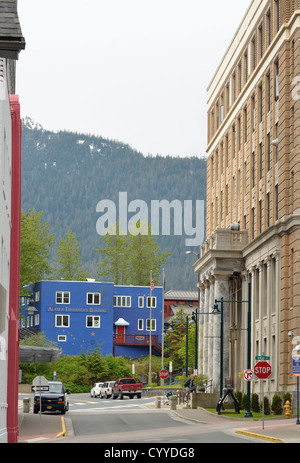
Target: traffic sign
163,374
262,370
39,388
248,375
296,365
40,383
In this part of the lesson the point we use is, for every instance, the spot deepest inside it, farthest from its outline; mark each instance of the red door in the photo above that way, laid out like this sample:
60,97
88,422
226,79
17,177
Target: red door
120,334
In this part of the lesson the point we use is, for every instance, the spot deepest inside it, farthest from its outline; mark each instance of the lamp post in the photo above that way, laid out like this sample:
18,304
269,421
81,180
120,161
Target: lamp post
195,315
216,310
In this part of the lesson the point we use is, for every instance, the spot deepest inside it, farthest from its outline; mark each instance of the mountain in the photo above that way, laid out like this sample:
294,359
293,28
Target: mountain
66,174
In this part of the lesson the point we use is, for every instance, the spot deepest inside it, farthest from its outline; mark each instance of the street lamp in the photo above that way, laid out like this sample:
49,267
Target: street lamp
216,310
195,316
31,310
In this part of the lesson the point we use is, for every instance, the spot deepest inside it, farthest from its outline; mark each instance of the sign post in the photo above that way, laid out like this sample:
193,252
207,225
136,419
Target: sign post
40,384
296,372
262,370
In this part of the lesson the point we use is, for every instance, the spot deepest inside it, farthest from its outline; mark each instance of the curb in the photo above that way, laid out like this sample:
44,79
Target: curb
63,432
275,440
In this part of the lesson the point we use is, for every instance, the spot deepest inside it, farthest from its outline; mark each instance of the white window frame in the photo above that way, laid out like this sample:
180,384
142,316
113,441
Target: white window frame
37,296
122,301
153,324
96,320
141,302
63,295
61,338
153,302
140,324
93,298
61,324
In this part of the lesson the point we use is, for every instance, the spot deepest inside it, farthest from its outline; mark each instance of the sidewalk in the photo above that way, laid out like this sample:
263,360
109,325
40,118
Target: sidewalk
39,427
275,430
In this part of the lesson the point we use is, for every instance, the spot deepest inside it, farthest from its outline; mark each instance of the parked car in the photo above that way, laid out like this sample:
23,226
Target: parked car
56,399
127,387
106,389
95,391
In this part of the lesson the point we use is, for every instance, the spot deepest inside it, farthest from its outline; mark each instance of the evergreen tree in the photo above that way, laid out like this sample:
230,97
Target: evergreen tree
36,243
68,265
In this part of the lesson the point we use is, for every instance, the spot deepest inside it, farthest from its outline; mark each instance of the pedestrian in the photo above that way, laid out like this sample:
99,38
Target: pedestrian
189,387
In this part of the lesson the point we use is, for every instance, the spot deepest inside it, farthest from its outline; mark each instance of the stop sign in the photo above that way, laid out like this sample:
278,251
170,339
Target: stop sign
163,374
262,370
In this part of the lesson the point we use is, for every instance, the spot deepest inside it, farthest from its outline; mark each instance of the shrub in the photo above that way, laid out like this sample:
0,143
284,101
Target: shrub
255,403
267,408
239,397
276,405
244,402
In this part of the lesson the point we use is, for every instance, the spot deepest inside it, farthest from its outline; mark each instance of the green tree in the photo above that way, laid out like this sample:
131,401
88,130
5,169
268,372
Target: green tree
36,243
115,259
68,263
128,259
144,256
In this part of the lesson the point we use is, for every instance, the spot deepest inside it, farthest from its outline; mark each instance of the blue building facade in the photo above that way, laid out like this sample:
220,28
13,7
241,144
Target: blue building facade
84,316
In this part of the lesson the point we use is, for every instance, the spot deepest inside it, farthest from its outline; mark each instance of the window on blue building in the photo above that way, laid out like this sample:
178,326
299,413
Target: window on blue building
93,298
62,297
62,321
153,302
141,302
122,301
93,321
153,324
140,324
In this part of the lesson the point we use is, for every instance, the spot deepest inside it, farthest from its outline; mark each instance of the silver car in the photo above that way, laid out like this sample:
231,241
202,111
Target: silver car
106,389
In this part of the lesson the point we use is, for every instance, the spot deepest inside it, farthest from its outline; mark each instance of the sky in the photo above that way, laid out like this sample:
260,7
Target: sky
135,71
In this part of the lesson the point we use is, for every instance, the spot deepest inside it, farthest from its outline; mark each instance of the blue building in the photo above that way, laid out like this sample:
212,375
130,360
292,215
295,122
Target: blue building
84,315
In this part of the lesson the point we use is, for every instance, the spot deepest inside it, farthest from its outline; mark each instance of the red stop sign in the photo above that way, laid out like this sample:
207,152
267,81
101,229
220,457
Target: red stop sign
163,374
262,370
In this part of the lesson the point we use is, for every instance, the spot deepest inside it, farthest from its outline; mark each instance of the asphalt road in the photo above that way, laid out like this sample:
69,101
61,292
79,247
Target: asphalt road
127,421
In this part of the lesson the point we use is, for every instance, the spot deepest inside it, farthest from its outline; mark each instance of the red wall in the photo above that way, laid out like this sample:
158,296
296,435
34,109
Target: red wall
13,328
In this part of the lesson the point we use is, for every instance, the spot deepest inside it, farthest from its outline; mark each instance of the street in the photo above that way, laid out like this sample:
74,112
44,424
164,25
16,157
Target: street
94,420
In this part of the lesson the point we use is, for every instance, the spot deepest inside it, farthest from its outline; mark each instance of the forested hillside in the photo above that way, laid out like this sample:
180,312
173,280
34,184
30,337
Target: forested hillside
66,174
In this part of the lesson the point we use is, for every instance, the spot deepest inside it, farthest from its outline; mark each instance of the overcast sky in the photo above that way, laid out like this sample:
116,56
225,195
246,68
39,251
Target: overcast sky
131,70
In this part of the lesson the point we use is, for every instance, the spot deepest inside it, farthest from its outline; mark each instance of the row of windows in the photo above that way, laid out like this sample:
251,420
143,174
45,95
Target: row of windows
64,297
94,321
259,43
125,301
263,158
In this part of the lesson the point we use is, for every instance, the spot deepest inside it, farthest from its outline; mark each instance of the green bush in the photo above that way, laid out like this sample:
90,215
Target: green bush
255,403
287,397
276,405
267,408
239,397
244,402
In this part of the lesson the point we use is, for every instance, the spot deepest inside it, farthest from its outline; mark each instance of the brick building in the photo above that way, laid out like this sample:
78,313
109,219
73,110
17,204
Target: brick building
253,199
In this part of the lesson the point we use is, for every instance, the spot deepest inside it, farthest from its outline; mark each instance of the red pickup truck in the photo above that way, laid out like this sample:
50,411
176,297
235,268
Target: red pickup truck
126,387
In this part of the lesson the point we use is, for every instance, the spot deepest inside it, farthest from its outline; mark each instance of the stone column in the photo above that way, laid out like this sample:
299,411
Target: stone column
201,328
205,327
221,291
210,333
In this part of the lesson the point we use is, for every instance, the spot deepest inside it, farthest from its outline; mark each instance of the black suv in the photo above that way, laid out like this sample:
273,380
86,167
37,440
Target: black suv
56,399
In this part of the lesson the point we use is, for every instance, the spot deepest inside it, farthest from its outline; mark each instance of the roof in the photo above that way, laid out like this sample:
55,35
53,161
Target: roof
31,354
182,295
11,37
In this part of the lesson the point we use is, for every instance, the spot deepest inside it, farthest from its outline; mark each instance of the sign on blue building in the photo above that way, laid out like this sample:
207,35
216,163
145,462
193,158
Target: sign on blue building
89,315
